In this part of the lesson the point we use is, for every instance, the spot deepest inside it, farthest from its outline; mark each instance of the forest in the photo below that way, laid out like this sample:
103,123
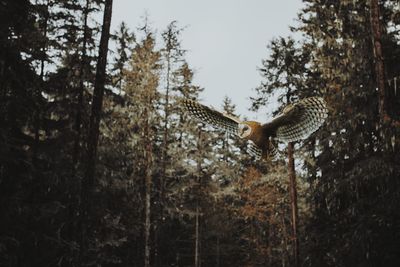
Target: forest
100,165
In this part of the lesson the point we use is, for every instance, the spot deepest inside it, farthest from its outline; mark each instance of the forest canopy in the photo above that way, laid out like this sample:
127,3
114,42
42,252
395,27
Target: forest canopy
100,165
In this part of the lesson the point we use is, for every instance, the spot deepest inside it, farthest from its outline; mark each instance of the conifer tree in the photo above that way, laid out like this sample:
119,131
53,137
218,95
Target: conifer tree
350,141
89,181
124,40
142,80
284,72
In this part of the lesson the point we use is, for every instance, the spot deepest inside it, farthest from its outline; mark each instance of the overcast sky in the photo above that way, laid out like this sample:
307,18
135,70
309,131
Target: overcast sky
226,39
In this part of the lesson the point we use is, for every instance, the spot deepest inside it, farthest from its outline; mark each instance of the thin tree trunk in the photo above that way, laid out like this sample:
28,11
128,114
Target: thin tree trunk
166,117
197,230
164,154
293,200
148,183
88,181
197,238
379,65
166,131
78,119
218,253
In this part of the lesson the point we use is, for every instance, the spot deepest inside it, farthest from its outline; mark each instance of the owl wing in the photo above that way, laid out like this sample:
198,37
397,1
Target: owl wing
212,117
300,120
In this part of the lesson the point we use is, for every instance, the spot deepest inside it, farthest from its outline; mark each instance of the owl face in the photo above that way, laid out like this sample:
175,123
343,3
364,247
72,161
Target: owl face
244,130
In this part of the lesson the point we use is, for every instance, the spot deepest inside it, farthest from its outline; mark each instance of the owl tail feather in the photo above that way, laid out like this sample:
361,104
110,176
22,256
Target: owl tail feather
311,114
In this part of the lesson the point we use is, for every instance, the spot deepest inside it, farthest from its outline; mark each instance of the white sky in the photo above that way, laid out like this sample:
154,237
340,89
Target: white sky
226,40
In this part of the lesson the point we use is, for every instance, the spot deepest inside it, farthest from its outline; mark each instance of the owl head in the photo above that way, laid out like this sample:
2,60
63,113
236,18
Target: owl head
244,130
247,128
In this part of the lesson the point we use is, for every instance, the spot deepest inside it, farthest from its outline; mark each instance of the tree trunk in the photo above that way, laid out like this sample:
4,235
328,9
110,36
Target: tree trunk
148,180
166,118
293,200
197,236
218,253
93,136
376,30
161,182
197,230
148,183
78,119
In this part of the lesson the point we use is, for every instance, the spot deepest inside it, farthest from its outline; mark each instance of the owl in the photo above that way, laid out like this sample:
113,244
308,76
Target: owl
296,122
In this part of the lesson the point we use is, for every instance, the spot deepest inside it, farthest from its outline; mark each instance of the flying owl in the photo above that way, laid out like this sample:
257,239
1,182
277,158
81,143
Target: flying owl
296,122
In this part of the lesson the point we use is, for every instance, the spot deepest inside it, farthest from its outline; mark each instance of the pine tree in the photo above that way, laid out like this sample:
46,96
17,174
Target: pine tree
142,80
88,181
350,141
285,76
124,40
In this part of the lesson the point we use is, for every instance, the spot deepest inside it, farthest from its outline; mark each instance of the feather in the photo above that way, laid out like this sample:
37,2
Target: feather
254,150
212,117
273,152
308,115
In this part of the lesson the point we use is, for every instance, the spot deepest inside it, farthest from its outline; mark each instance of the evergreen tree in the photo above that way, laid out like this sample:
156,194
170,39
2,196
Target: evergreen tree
343,55
142,79
88,182
124,40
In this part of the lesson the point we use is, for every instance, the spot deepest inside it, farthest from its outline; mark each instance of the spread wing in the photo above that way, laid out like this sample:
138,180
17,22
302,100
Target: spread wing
300,120
212,117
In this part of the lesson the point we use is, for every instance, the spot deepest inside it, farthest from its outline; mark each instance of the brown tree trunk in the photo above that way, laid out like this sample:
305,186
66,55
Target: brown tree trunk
378,55
197,223
88,181
293,200
197,238
166,118
148,183
217,264
164,154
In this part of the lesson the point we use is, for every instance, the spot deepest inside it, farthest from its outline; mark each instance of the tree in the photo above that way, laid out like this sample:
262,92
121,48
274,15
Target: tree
124,39
142,79
93,135
82,70
343,56
285,73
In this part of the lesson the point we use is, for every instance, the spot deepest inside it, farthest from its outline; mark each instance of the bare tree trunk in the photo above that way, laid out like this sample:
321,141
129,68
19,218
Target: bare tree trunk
218,253
166,118
78,119
197,242
197,230
293,200
148,183
379,65
164,154
88,181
